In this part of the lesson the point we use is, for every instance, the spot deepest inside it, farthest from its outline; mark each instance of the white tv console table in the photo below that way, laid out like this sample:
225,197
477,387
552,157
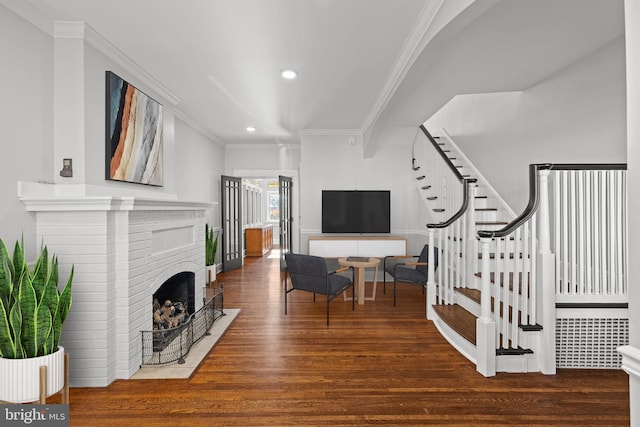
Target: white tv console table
364,246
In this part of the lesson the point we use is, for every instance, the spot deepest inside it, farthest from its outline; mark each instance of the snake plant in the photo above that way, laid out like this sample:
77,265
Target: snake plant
211,245
32,309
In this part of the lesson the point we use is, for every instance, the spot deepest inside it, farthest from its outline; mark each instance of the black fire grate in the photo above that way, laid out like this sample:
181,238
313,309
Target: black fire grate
168,345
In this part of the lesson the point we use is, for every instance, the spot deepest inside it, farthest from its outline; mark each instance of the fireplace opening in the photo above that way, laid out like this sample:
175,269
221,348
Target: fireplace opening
174,301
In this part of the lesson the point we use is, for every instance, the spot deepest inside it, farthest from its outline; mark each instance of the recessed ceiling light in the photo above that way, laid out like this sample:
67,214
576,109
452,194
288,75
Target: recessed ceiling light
289,73
251,129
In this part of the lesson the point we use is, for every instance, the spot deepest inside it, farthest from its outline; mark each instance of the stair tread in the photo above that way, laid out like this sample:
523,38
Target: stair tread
475,295
458,319
487,209
491,223
472,294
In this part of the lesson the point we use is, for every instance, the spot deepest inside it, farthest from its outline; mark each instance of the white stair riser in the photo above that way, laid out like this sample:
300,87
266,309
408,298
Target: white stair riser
486,215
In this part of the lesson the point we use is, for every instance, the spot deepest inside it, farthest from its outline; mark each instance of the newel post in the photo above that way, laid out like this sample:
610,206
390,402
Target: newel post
431,276
545,288
485,325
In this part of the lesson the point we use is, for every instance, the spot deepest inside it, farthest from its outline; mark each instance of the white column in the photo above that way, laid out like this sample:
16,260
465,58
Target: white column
546,289
68,100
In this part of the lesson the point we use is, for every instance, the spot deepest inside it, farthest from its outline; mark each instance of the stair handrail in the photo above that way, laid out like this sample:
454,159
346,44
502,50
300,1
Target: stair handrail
465,183
463,208
446,159
534,193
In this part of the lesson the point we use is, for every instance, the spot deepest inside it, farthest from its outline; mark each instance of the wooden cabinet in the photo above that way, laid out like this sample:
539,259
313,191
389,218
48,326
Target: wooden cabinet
259,240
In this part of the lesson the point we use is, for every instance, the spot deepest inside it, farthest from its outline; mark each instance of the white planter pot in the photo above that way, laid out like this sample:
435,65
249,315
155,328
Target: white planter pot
211,274
21,377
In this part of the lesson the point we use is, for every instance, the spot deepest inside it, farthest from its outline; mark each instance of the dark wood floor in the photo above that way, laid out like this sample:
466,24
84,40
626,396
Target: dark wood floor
377,365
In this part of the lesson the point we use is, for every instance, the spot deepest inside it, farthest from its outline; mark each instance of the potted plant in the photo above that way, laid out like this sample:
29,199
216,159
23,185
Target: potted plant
211,247
32,311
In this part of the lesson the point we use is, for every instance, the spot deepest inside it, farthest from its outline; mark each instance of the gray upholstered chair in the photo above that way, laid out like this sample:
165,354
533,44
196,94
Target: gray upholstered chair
408,269
309,273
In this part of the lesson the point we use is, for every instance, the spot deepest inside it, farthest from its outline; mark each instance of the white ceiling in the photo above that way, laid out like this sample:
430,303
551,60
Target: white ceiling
222,58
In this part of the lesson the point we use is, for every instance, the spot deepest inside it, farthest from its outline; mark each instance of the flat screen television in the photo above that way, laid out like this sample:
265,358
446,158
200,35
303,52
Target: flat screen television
352,211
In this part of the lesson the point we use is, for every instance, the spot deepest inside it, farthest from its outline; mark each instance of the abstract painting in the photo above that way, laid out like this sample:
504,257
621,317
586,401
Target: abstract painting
134,134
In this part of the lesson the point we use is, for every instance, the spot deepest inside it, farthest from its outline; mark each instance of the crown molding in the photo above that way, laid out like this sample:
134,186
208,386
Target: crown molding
329,132
257,146
80,30
199,128
112,52
69,29
26,11
413,46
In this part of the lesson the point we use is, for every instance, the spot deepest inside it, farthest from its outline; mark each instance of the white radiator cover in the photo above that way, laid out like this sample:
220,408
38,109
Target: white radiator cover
590,342
122,249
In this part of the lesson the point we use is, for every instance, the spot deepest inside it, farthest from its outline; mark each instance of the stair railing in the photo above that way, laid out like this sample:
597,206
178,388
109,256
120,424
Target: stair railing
509,280
448,240
590,238
438,180
525,279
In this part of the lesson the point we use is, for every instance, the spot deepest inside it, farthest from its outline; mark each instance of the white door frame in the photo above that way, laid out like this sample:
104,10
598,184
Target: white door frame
274,173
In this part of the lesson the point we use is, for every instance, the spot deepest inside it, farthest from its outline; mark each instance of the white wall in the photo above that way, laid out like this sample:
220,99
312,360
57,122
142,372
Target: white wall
632,21
96,63
26,113
199,163
329,162
574,116
261,157
633,155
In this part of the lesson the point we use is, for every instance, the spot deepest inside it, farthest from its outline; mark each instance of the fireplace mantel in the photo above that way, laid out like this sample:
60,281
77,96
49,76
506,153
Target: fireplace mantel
55,197
122,248
108,203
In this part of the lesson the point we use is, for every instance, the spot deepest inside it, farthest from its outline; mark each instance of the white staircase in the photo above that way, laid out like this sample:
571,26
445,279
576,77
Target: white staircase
505,285
443,174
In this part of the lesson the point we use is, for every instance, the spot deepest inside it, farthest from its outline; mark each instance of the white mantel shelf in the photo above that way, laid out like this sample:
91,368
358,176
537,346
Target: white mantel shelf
108,203
39,197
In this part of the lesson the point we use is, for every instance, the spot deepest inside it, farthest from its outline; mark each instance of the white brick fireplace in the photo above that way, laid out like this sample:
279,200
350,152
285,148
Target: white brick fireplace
123,249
